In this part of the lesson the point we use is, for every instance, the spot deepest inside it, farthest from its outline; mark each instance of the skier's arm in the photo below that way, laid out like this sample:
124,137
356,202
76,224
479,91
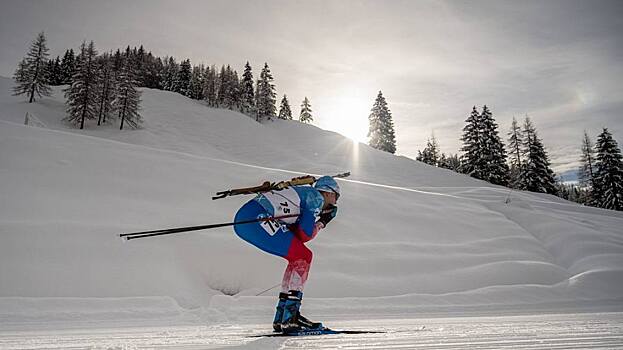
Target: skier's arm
306,228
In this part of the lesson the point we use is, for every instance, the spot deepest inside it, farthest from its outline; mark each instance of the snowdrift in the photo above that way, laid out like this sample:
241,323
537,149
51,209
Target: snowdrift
409,238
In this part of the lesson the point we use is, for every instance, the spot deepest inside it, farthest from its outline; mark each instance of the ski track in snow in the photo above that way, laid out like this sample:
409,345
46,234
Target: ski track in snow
561,331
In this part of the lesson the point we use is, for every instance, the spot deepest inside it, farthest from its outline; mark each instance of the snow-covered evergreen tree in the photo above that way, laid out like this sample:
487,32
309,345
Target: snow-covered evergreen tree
472,143
154,71
171,69
236,92
81,95
53,71
140,65
430,153
381,126
515,142
485,155
536,174
305,116
210,86
284,110
68,67
195,90
31,76
495,168
182,79
58,72
587,162
222,92
49,71
128,97
105,88
228,88
265,96
608,176
247,93
451,162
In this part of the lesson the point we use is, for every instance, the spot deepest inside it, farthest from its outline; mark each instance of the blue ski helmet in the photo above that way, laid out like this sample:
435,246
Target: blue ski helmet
328,184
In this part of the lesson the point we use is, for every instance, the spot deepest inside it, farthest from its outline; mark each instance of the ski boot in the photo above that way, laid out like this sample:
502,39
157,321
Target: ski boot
292,320
279,314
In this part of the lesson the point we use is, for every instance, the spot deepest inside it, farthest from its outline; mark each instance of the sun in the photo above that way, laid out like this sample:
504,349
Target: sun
350,118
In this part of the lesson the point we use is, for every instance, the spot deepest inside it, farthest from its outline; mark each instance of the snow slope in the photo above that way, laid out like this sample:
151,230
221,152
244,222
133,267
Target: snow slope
409,238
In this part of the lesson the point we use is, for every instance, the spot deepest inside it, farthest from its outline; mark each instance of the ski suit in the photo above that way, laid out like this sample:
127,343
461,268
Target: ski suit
284,237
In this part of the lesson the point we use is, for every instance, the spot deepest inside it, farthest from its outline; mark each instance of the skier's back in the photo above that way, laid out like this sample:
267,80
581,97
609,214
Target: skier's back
310,210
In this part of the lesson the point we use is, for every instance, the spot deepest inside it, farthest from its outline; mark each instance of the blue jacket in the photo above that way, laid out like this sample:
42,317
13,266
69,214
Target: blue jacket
305,201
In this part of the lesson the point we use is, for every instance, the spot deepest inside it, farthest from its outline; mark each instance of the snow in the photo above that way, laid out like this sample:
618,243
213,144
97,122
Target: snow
552,331
410,240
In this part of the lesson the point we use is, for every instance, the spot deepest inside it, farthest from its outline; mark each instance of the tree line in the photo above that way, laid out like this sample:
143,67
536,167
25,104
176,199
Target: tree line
100,87
523,163
104,87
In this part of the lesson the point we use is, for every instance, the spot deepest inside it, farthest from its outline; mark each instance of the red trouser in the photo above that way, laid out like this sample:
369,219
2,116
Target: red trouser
286,242
299,262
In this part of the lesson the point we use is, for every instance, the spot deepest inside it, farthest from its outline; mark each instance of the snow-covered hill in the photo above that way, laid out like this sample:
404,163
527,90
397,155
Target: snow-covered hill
409,237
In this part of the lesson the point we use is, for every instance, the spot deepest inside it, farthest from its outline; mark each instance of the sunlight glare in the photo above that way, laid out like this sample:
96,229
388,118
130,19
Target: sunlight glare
350,118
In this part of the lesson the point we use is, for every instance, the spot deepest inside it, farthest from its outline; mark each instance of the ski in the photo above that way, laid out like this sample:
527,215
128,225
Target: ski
325,331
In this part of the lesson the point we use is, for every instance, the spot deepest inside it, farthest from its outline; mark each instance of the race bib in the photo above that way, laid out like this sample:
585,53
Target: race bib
285,202
270,226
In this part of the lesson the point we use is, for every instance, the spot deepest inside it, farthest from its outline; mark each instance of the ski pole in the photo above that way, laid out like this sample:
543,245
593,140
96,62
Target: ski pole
266,290
143,234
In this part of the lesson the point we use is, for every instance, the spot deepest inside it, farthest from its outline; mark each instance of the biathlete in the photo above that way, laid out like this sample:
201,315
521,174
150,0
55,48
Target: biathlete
310,209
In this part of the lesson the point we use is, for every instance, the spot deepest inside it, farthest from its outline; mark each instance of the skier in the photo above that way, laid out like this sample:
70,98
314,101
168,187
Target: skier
312,208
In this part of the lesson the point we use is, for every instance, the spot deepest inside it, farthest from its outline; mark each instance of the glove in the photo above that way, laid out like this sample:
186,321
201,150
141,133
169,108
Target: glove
328,215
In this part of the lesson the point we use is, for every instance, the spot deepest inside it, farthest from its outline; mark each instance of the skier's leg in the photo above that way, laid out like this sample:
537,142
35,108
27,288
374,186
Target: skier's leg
283,297
299,262
268,236
271,238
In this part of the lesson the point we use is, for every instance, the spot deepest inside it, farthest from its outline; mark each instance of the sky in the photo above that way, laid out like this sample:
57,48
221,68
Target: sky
560,62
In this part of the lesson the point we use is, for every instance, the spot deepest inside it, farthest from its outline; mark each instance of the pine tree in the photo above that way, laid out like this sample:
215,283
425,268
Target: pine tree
117,61
31,77
247,94
154,71
140,66
171,69
182,79
195,90
472,143
228,88
305,116
81,95
495,169
53,71
210,86
587,161
608,177
128,97
451,162
536,174
236,92
515,142
381,126
284,110
222,84
106,88
430,154
58,73
68,67
265,96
